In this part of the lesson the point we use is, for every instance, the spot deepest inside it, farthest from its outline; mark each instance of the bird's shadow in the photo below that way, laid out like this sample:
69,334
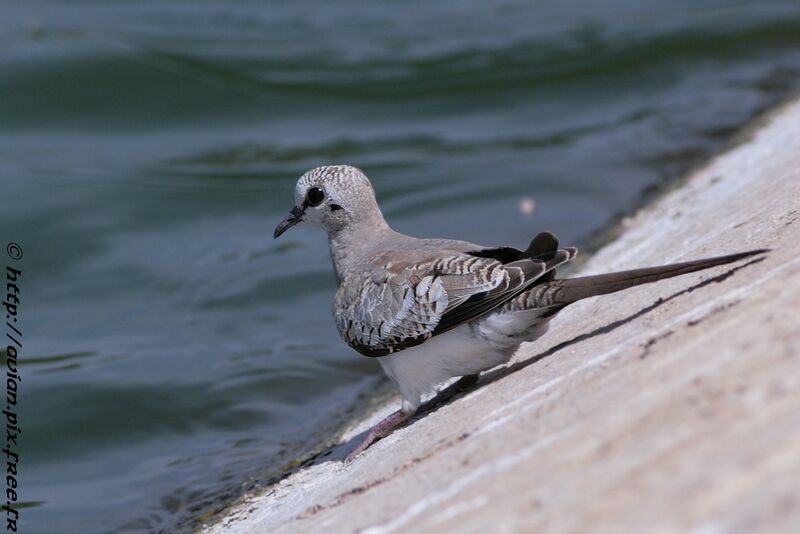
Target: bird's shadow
471,382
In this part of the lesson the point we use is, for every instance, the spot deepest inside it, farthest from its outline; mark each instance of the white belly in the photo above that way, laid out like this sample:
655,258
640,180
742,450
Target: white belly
418,370
465,350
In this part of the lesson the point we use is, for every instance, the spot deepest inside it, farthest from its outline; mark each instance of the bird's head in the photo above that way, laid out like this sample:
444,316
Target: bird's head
332,197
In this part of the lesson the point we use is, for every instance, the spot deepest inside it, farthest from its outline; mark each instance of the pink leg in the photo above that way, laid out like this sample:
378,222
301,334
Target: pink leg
381,430
387,425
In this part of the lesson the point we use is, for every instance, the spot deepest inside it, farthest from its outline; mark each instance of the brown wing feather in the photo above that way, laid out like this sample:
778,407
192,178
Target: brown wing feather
385,310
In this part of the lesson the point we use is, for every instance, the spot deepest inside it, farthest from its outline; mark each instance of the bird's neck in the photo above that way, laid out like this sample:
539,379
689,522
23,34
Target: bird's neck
353,244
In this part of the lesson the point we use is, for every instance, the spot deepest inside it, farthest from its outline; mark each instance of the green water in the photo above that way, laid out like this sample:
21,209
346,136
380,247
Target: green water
172,351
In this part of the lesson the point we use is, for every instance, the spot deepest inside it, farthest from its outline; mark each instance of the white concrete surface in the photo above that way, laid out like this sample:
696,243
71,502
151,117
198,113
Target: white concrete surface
670,407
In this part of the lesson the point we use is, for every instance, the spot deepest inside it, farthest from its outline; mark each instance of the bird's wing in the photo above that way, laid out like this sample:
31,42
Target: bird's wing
394,305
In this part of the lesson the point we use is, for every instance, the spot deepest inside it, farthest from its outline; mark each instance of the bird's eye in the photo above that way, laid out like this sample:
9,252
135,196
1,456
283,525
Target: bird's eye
315,196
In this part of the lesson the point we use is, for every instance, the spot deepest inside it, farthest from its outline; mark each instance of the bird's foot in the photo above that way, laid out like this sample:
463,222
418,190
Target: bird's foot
381,430
388,424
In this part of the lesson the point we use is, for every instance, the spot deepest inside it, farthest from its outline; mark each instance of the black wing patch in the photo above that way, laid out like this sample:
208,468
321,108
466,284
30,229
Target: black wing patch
502,254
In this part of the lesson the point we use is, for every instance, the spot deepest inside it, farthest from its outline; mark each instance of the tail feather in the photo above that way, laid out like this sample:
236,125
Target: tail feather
566,291
544,247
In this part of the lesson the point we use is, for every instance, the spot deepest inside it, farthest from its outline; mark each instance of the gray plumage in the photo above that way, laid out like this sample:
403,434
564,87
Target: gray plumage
396,303
434,309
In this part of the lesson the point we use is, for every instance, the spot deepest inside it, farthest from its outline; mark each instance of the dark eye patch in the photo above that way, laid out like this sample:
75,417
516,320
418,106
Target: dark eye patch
315,196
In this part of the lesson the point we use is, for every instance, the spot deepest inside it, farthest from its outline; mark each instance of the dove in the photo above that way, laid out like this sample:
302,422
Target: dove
431,310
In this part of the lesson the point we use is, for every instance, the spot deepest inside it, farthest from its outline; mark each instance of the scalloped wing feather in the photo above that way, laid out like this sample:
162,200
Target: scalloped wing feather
397,305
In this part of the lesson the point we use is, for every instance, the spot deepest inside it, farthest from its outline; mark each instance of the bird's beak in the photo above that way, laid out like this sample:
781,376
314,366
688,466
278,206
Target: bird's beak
294,217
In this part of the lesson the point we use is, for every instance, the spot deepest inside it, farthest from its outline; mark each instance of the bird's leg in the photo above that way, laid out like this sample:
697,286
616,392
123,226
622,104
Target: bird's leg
381,430
388,424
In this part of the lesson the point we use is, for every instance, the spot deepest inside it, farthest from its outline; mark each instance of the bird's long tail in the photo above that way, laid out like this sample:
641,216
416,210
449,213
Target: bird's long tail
559,293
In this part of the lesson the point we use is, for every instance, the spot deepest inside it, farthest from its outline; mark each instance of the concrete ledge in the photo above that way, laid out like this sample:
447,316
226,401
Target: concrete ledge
668,407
